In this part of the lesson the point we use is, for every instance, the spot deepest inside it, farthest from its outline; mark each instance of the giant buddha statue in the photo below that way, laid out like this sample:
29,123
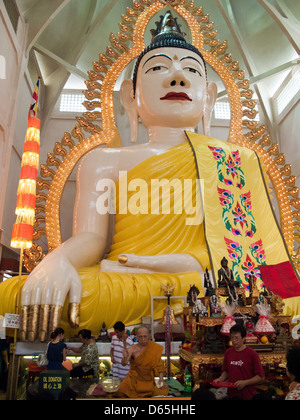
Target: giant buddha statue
88,279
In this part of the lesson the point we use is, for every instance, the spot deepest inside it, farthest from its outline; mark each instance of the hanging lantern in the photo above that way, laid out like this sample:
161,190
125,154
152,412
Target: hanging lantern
22,232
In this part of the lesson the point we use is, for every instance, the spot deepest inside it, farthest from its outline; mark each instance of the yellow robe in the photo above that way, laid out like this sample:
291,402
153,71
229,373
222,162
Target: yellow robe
139,382
155,234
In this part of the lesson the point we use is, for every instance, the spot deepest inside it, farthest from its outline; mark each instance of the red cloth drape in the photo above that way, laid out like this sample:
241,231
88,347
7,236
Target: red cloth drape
280,279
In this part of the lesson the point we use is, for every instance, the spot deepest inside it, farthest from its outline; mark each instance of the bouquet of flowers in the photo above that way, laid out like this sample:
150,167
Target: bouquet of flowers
228,309
263,325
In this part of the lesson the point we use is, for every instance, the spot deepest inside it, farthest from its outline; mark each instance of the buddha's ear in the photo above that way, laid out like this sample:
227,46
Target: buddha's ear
128,102
212,92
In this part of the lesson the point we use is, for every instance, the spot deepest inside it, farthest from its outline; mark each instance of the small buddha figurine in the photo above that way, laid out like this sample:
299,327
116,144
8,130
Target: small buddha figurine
215,306
225,275
277,304
226,279
283,340
213,344
103,335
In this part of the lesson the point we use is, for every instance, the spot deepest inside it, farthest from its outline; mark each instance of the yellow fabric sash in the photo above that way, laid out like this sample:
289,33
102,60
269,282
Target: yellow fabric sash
239,221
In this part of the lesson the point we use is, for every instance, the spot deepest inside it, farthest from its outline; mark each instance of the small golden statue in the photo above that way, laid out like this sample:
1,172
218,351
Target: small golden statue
277,304
168,291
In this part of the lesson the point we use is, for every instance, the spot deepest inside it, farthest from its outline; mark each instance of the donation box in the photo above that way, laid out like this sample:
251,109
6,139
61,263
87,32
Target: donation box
54,381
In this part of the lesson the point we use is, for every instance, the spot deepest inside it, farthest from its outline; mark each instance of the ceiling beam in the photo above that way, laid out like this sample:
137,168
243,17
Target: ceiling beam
265,75
57,80
287,23
95,25
69,67
40,16
274,71
234,28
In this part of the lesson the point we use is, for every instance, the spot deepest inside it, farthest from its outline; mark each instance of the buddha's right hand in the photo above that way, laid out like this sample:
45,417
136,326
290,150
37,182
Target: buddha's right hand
44,294
165,263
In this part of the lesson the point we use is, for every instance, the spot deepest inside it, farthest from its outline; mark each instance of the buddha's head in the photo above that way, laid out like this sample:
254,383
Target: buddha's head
169,86
224,262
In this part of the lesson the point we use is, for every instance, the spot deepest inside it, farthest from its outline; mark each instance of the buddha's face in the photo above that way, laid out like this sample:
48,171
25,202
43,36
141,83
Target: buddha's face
171,88
224,263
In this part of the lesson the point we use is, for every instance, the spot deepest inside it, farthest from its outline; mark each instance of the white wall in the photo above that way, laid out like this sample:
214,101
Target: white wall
289,139
12,48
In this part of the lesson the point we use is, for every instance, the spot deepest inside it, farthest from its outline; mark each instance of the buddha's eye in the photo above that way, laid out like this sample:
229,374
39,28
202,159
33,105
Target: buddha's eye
192,70
156,69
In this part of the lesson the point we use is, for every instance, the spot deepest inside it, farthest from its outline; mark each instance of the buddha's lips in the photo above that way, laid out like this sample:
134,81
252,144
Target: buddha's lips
176,96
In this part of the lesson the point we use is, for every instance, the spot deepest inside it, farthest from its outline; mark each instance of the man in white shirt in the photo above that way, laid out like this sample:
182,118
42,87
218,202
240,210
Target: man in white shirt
117,347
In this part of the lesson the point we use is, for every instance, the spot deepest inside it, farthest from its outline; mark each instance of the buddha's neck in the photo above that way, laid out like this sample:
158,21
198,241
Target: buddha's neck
167,135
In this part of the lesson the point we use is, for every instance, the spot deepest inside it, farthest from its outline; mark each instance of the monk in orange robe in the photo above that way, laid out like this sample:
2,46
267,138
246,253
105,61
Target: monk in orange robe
145,365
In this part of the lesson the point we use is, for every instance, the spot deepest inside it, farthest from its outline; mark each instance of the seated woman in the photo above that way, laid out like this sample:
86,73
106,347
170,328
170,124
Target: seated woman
89,362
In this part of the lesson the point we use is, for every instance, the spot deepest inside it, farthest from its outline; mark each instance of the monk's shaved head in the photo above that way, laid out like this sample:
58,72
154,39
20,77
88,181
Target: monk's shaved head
143,336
